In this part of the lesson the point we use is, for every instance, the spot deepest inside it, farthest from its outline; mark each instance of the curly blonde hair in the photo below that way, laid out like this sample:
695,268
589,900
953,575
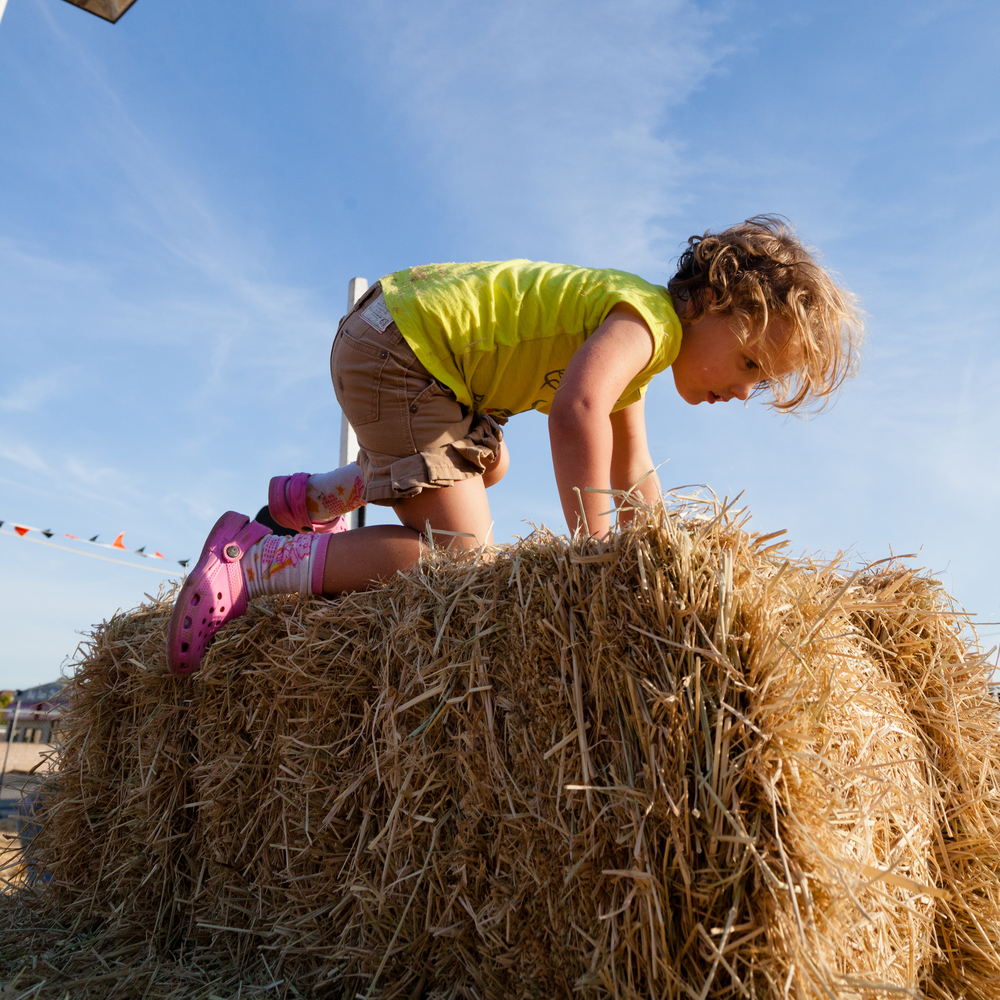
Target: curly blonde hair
759,271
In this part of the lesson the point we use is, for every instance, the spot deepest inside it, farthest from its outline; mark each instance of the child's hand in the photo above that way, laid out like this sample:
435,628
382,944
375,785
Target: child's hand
585,439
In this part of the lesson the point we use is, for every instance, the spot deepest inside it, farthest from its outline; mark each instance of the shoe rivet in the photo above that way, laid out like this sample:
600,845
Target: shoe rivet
385,354
232,551
413,408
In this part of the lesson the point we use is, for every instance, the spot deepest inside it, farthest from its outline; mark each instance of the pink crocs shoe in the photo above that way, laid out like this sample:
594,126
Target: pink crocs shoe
214,592
286,499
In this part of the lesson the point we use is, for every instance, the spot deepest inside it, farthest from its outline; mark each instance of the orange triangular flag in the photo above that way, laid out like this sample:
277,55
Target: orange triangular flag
118,543
21,531
159,555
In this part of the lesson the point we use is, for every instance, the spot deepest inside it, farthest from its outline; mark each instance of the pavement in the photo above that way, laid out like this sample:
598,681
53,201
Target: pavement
11,792
22,758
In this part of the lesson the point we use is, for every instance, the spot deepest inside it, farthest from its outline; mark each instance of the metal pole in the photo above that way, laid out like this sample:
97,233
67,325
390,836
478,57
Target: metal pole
356,287
12,728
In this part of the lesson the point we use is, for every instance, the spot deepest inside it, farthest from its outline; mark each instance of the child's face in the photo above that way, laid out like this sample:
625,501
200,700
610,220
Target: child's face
714,367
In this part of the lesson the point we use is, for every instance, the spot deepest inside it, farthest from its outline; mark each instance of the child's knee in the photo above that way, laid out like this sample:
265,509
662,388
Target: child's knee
495,472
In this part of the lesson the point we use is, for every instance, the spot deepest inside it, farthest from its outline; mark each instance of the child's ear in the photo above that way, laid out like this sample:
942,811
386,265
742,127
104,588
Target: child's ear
684,307
707,298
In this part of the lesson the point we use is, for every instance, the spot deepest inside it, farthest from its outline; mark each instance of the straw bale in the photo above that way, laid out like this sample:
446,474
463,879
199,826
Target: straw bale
679,764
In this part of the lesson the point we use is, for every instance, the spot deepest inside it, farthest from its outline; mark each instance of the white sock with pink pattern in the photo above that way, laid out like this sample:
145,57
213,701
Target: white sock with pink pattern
284,564
332,494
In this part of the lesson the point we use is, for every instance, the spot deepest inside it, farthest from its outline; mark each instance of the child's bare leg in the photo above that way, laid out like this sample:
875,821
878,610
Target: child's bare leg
241,560
366,557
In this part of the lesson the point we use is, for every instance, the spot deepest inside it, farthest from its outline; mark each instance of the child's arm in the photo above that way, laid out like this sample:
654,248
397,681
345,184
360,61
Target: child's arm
586,440
630,459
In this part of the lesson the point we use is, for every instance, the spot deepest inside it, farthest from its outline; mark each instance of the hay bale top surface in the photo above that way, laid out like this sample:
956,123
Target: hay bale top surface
678,764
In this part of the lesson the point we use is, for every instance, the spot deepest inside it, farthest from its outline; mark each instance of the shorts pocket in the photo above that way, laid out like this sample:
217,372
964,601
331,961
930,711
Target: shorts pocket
356,368
436,417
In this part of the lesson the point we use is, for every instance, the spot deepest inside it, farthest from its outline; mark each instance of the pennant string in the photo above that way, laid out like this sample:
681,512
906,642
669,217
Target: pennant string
93,555
118,544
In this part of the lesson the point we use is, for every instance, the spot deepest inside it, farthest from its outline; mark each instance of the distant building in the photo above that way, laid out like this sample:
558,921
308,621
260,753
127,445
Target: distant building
38,712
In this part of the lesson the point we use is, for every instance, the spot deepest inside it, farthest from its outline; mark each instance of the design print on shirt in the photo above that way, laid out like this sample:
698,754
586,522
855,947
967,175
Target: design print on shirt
498,414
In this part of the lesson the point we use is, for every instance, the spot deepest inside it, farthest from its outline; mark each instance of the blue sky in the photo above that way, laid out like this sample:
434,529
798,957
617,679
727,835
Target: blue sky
184,196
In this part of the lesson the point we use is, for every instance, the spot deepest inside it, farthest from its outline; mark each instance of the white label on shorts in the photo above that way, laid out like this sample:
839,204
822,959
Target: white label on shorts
377,314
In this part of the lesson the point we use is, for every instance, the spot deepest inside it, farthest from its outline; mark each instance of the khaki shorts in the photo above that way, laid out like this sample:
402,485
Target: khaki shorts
412,431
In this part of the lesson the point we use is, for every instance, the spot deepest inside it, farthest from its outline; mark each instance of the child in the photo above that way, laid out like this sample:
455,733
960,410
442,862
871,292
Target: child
432,361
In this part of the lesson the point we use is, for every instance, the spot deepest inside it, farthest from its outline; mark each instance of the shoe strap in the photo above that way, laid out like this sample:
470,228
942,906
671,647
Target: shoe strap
286,499
295,494
250,535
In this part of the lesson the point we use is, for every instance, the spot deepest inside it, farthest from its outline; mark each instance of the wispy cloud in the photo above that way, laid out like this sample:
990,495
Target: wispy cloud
66,473
23,455
546,121
192,270
28,395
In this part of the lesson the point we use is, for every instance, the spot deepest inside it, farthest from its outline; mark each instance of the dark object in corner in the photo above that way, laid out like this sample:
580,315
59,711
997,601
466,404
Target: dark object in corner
264,517
110,10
